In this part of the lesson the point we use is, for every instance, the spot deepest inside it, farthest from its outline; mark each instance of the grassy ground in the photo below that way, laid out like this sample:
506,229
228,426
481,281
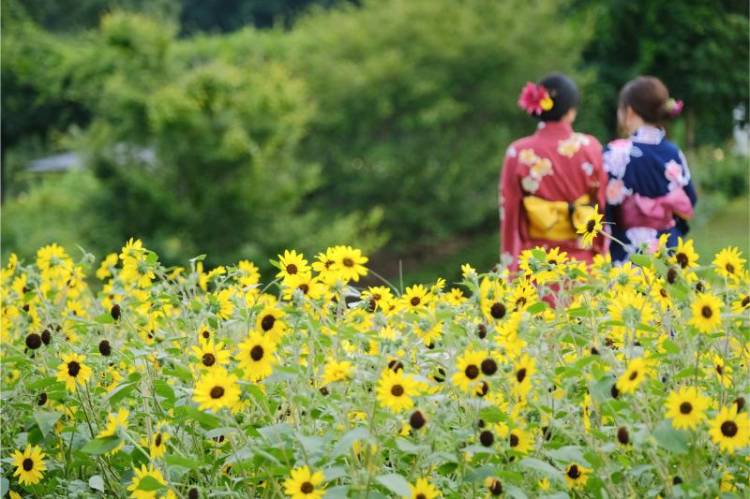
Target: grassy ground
728,226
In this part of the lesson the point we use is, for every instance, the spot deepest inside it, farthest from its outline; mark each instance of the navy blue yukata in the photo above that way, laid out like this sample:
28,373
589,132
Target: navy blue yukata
649,191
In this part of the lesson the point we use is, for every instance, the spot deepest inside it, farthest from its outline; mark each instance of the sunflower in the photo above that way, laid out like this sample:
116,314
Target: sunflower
349,263
521,375
729,262
73,371
468,374
158,445
309,286
423,489
492,299
291,264
257,356
706,313
520,440
684,255
523,296
115,422
416,297
634,375
29,465
395,390
730,430
302,484
631,309
247,273
336,371
216,389
576,476
590,227
686,408
141,473
722,371
377,298
741,304
211,355
269,321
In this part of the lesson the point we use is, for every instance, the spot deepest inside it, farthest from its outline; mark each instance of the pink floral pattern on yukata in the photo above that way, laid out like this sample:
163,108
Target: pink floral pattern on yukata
538,168
617,157
616,191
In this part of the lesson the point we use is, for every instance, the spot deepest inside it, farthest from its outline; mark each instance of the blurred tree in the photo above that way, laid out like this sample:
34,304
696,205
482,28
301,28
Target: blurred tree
417,104
698,48
203,156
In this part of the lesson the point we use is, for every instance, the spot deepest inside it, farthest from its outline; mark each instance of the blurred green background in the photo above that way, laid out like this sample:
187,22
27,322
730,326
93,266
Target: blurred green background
240,128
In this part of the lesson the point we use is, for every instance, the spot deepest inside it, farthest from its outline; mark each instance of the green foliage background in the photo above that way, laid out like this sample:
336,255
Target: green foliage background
372,123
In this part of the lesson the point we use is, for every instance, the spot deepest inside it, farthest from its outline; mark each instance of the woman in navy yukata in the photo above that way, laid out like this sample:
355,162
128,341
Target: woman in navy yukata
649,191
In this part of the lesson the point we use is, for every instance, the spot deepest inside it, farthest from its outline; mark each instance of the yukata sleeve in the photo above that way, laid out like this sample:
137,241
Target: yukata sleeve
512,228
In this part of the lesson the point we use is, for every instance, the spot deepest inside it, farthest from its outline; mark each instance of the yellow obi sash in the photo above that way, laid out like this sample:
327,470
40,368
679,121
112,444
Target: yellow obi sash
556,220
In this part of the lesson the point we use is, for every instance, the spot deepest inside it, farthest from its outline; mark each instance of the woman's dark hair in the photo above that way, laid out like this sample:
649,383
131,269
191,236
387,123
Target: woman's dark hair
648,97
564,94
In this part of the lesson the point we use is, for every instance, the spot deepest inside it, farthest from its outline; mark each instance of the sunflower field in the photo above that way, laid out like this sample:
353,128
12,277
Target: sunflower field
128,378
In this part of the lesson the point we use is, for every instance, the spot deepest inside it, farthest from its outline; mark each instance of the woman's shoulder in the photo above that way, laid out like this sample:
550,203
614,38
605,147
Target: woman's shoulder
519,145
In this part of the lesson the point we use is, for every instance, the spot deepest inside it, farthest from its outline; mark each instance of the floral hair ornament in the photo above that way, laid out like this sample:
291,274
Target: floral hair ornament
535,99
674,107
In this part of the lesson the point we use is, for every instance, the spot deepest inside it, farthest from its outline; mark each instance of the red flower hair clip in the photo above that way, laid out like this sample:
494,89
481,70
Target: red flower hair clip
674,107
535,99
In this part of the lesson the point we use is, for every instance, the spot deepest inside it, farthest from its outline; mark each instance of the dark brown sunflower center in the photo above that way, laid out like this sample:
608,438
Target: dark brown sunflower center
521,375
730,268
397,390
267,322
307,488
415,301
682,259
574,472
74,368
471,371
304,287
633,376
514,440
590,226
217,392
745,301
420,496
157,440
497,310
291,269
348,262
28,464
729,429
686,408
707,312
256,353
208,359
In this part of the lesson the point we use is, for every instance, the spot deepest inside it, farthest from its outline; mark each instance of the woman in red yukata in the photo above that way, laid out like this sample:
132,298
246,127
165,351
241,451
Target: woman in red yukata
553,180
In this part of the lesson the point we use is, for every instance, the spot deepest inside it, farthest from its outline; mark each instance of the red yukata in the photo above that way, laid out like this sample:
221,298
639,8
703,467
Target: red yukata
554,164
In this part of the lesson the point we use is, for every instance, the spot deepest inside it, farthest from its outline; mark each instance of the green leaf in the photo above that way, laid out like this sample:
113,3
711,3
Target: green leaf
567,454
395,483
334,472
670,439
184,462
150,483
538,307
100,445
105,318
491,414
96,482
408,447
340,492
163,389
642,260
120,392
542,467
4,486
46,420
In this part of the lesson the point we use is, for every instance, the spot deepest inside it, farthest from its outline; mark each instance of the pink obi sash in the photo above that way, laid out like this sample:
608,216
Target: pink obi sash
656,213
